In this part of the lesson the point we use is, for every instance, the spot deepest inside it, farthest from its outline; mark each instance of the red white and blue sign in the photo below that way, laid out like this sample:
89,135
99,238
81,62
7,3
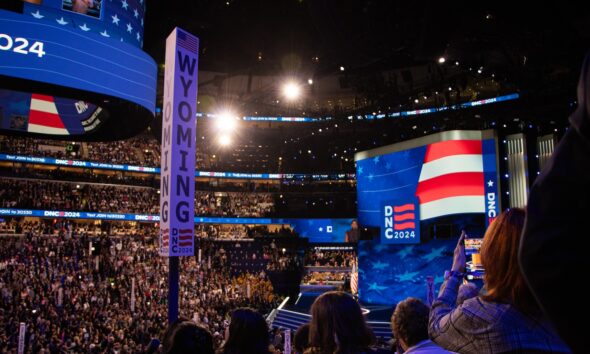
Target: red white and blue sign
401,221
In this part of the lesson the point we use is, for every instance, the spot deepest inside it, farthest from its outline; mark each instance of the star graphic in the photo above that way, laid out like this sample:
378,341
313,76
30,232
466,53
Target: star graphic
490,183
360,170
379,247
37,15
84,28
135,13
407,276
61,21
405,252
124,4
379,265
104,33
321,229
434,253
370,177
376,288
137,36
388,166
129,28
376,159
115,19
142,22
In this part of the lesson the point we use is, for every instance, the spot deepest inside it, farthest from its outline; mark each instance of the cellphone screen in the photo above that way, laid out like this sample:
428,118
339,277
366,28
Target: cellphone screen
474,268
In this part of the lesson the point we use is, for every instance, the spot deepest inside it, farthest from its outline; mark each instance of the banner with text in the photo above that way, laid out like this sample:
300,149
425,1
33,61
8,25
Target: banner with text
177,196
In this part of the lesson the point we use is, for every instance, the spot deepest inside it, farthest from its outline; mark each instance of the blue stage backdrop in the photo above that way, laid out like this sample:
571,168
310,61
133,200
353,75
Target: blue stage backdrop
391,273
420,194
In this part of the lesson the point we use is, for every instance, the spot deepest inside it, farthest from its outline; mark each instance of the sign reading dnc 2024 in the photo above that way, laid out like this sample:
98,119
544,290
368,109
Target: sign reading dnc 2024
401,221
38,50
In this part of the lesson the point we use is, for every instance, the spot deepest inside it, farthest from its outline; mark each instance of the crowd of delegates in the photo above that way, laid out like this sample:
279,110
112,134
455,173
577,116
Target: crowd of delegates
324,278
234,204
225,231
33,147
281,259
323,257
77,297
51,195
28,194
80,175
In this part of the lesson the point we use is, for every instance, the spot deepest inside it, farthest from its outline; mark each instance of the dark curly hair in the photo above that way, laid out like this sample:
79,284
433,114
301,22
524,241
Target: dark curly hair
409,321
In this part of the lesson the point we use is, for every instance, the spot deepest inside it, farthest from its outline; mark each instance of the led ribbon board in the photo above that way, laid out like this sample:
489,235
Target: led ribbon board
81,70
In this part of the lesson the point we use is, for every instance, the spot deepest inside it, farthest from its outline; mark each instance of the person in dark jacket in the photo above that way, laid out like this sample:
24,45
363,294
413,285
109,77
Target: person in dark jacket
552,257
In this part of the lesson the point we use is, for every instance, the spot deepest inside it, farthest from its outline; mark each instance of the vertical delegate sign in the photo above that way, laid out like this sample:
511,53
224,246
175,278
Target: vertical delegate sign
177,187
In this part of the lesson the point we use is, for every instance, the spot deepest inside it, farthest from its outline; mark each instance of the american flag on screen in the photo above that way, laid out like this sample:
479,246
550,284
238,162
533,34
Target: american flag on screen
452,179
188,41
43,116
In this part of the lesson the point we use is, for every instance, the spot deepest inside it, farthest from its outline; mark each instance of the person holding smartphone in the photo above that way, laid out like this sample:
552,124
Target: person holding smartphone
507,318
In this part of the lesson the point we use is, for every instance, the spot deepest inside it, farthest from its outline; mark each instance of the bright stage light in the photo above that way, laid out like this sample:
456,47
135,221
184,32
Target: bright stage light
442,60
291,91
224,140
226,121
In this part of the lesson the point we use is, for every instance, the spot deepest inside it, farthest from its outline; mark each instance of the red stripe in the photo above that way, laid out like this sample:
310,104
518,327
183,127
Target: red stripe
45,119
186,237
451,185
404,226
185,244
42,97
442,149
165,237
183,231
165,230
402,217
402,208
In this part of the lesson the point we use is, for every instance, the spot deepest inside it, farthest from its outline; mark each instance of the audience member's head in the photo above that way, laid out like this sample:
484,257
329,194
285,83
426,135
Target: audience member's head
186,337
338,326
499,257
248,333
409,322
301,338
169,333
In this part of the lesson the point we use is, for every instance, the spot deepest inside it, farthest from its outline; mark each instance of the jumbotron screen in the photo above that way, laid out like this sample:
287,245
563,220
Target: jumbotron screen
419,182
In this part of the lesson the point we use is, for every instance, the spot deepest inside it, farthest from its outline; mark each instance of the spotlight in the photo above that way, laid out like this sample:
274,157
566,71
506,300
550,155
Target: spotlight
456,63
224,140
341,68
226,121
416,100
442,60
310,81
291,91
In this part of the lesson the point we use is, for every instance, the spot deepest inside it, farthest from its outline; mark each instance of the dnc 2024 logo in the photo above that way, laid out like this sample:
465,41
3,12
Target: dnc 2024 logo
400,221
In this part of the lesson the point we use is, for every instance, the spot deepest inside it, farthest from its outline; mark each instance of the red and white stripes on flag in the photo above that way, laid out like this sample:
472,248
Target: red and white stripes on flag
452,179
43,116
354,282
